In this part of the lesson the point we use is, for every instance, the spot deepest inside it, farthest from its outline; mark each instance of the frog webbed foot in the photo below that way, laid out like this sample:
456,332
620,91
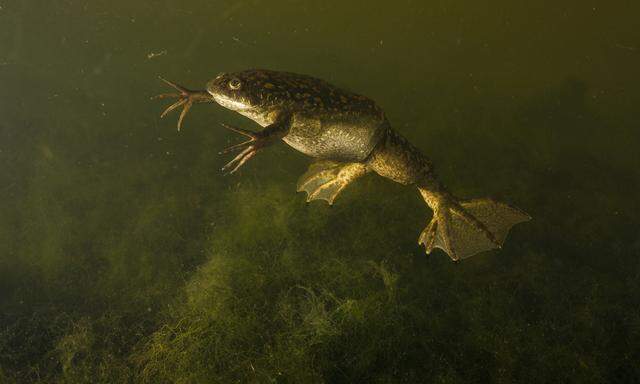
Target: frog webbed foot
186,98
463,229
325,179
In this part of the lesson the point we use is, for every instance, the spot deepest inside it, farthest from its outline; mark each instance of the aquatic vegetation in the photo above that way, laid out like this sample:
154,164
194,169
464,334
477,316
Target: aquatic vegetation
268,304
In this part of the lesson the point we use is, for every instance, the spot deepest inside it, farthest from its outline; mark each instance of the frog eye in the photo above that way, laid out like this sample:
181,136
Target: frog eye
234,83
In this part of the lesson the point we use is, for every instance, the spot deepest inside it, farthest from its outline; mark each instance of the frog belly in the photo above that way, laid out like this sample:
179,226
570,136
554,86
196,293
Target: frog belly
334,139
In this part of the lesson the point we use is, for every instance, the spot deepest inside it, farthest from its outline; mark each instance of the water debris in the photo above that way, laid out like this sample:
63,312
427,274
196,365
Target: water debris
237,40
627,47
153,55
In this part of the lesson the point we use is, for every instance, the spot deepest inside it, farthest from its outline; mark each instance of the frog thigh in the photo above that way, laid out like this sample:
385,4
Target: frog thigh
325,179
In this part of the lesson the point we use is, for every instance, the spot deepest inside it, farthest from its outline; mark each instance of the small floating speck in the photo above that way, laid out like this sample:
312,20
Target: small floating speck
152,55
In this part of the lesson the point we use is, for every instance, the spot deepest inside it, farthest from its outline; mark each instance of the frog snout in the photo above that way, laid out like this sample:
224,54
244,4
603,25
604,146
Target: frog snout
213,85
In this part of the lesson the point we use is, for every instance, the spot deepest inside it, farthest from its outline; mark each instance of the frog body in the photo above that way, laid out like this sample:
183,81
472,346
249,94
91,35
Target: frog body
325,122
349,136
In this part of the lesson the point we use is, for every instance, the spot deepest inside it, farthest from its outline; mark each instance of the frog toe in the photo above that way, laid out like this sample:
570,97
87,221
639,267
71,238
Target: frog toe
325,179
186,98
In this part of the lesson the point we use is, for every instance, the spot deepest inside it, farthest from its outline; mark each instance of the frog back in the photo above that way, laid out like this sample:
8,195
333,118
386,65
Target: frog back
327,122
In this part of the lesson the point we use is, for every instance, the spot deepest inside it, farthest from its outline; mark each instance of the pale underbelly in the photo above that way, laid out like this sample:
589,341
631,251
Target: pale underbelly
339,141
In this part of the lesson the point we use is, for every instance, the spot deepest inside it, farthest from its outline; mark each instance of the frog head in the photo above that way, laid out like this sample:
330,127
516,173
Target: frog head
244,91
233,91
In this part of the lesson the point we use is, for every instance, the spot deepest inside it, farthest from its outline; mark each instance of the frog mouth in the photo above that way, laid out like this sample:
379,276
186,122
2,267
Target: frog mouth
230,103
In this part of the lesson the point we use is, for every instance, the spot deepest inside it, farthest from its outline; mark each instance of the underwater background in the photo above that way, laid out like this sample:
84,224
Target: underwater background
127,257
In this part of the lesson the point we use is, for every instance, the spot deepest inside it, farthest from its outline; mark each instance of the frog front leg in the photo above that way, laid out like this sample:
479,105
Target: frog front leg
256,141
325,179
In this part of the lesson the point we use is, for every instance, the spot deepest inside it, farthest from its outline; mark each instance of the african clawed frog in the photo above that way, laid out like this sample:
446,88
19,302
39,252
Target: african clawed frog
348,135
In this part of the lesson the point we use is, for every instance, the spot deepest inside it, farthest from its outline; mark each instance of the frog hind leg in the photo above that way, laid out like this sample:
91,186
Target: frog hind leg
325,179
463,229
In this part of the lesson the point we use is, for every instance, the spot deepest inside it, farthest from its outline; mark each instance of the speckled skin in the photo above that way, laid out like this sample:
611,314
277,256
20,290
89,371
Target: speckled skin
349,136
326,122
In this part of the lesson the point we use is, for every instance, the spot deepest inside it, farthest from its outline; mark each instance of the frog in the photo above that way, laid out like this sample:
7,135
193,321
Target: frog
348,136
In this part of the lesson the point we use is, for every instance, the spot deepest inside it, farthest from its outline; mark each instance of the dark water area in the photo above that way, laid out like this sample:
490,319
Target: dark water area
126,256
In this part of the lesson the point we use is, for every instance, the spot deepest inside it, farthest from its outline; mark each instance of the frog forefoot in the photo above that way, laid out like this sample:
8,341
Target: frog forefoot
325,179
247,148
463,229
186,98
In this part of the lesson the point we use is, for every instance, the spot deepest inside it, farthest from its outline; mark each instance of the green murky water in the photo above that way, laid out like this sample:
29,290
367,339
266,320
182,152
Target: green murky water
125,255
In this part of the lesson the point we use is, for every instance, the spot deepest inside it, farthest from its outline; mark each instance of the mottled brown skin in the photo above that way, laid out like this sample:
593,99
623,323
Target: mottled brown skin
349,136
